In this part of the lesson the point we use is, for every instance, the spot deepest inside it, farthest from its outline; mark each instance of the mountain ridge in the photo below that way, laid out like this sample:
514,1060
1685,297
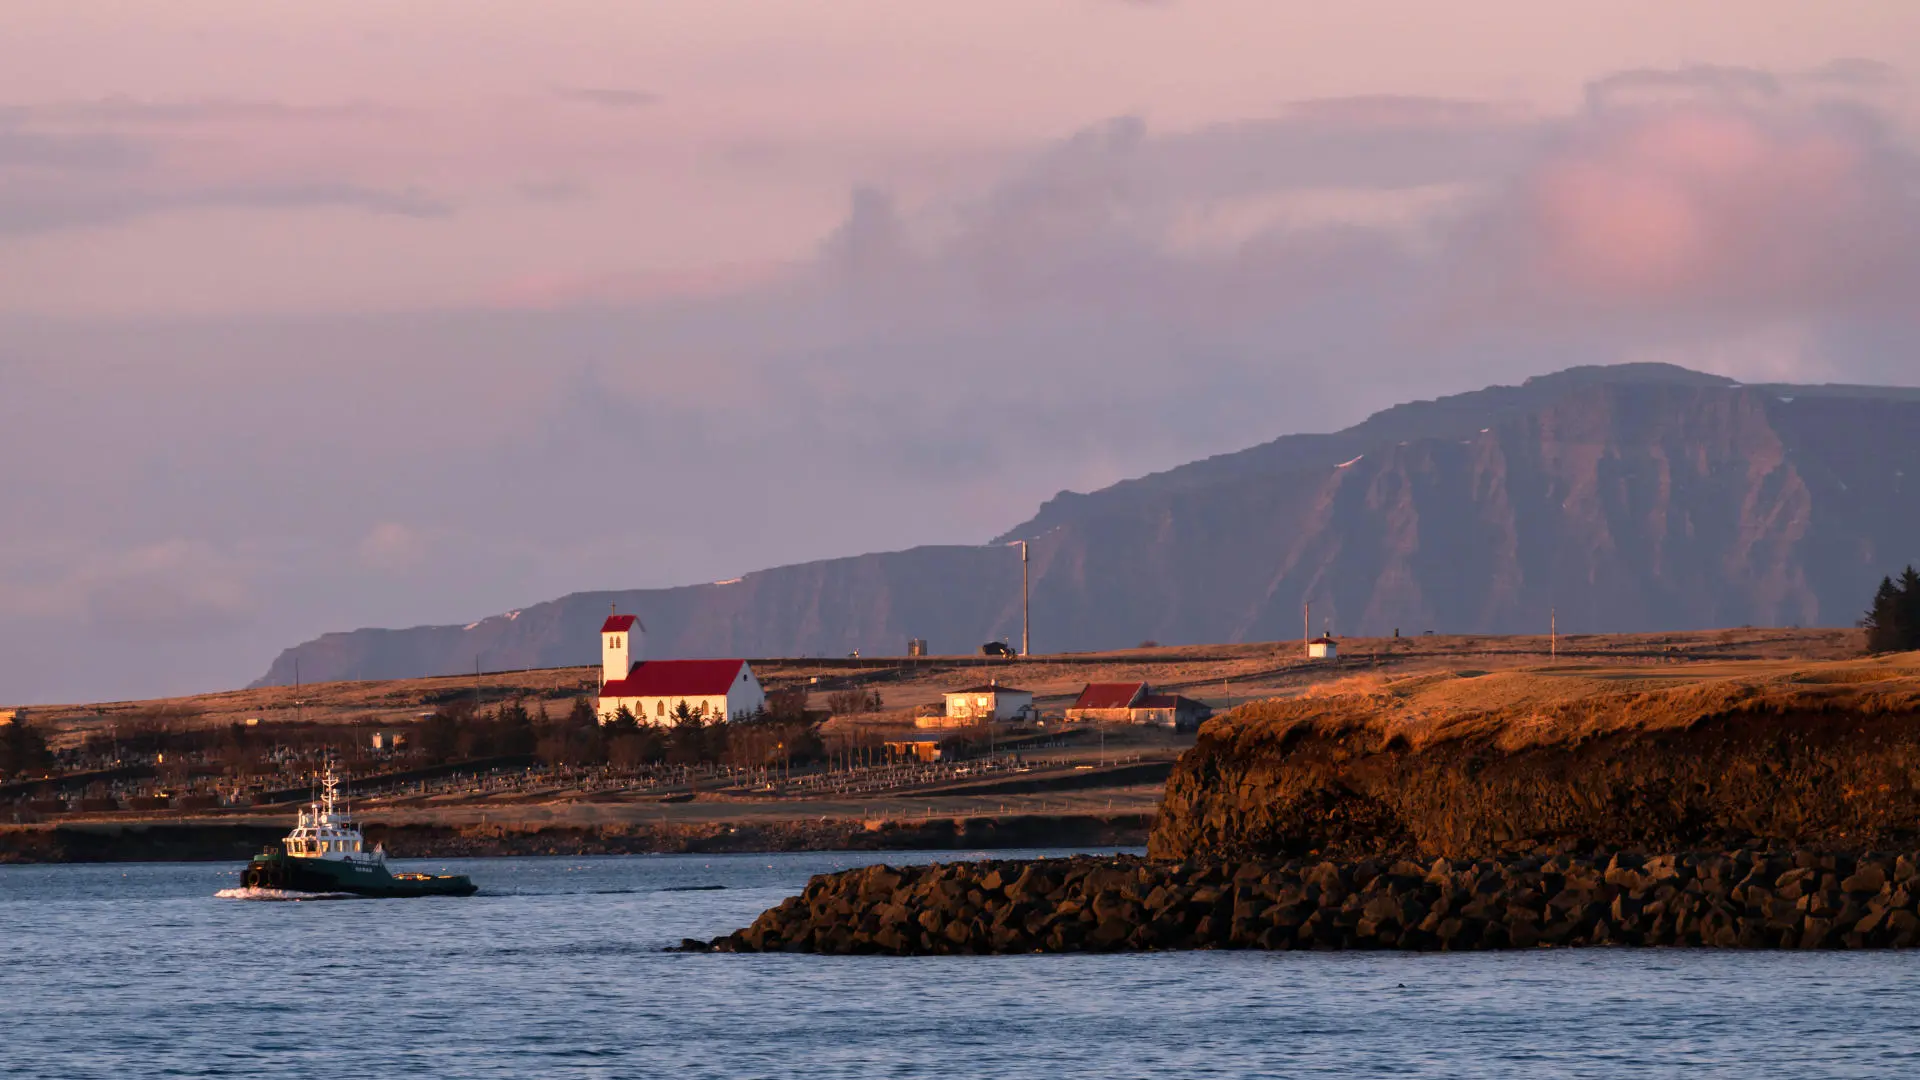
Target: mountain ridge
1640,497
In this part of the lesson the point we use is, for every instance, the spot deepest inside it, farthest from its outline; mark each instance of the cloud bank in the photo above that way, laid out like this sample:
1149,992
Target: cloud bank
1125,298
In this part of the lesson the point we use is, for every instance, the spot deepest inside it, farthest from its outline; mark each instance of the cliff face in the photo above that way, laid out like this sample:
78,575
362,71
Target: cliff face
1796,760
1630,499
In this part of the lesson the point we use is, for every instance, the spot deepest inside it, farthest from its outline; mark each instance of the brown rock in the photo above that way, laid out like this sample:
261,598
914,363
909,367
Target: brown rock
1869,878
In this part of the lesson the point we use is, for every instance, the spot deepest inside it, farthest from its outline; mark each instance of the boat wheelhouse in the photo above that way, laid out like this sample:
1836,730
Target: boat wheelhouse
325,832
326,853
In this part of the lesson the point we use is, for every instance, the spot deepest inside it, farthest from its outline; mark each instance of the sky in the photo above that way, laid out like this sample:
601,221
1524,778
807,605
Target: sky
315,317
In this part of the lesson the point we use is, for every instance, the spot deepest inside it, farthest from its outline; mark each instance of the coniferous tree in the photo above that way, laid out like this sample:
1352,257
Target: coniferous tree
513,730
687,744
22,749
440,733
1893,623
1910,607
582,715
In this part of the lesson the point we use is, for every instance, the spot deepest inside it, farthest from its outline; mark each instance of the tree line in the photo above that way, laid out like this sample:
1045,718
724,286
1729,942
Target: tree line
1893,622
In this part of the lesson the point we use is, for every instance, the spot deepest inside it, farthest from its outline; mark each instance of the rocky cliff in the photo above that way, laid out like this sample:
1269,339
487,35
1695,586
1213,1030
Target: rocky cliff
1636,498
1825,757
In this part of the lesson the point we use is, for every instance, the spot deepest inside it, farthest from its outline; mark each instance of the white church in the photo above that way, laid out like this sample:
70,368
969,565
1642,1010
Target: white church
652,690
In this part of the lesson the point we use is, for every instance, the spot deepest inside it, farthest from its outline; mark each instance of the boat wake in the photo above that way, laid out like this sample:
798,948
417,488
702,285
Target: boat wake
279,894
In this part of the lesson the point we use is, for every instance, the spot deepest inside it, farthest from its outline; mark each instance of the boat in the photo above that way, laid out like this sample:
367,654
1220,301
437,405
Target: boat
326,854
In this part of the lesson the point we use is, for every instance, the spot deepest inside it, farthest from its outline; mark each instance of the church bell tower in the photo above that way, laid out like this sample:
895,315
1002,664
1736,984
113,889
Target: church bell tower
623,643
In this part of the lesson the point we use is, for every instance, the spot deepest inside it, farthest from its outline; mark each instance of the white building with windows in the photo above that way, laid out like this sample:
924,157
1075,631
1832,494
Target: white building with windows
653,690
991,703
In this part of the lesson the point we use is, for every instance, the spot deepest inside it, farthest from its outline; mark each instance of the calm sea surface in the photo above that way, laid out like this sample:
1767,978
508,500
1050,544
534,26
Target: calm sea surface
556,970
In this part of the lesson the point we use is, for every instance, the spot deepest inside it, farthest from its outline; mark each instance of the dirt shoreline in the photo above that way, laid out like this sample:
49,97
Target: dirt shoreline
164,841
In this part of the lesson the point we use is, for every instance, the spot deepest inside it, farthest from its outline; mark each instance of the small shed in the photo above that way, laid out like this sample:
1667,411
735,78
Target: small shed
1323,648
922,748
1176,711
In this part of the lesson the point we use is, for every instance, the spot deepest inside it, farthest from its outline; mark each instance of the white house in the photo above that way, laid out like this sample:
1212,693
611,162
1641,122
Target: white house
653,690
992,702
1323,648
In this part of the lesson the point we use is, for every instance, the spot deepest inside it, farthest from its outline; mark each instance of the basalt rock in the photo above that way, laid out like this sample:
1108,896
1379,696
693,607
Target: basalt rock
1733,899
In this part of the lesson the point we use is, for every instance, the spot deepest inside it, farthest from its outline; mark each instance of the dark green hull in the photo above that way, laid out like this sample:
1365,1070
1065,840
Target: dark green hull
283,872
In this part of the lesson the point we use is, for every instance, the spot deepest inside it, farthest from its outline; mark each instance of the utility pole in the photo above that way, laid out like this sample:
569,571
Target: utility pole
1553,632
1306,624
1025,603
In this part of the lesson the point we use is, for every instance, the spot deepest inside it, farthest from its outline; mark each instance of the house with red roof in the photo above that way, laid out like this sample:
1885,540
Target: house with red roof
653,690
1136,703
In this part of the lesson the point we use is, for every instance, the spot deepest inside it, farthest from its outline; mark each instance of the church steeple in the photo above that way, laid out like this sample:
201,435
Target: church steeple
623,643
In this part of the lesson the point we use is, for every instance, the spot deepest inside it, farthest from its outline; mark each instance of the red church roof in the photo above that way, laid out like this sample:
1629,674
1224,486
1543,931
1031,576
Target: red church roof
619,624
1109,695
678,678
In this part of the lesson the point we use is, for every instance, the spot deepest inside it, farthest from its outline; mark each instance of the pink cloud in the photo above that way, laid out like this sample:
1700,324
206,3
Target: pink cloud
542,291
1710,205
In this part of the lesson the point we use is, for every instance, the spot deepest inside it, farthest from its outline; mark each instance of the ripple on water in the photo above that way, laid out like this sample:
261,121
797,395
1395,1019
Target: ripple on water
555,970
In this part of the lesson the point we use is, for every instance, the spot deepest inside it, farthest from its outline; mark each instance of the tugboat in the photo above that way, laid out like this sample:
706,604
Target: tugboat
325,853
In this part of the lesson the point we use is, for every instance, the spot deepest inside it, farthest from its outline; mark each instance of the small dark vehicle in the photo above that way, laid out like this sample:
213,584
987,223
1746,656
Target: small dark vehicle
996,648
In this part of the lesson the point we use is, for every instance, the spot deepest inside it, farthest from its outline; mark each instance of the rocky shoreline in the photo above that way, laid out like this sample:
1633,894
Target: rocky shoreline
174,841
1745,898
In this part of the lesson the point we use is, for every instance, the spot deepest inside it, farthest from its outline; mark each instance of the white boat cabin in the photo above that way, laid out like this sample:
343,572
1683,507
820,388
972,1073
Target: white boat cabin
327,833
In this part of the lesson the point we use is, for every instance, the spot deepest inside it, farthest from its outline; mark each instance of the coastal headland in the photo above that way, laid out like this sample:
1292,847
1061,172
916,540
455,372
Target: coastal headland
1760,804
1468,764
1057,785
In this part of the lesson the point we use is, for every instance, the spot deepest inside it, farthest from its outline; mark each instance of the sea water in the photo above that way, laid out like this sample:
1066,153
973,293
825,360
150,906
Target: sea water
557,969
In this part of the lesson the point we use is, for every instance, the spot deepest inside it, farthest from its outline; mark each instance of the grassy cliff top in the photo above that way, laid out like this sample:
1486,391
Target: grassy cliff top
1525,707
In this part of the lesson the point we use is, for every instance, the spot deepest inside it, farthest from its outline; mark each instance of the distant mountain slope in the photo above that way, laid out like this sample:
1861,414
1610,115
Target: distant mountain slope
1633,498
1452,417
956,596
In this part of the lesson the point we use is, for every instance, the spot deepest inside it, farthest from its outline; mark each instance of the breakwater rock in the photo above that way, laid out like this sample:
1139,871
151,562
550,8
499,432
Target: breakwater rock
1747,899
1491,765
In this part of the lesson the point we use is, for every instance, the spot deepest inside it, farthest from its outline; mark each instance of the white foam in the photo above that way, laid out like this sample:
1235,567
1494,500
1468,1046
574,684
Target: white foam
278,894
